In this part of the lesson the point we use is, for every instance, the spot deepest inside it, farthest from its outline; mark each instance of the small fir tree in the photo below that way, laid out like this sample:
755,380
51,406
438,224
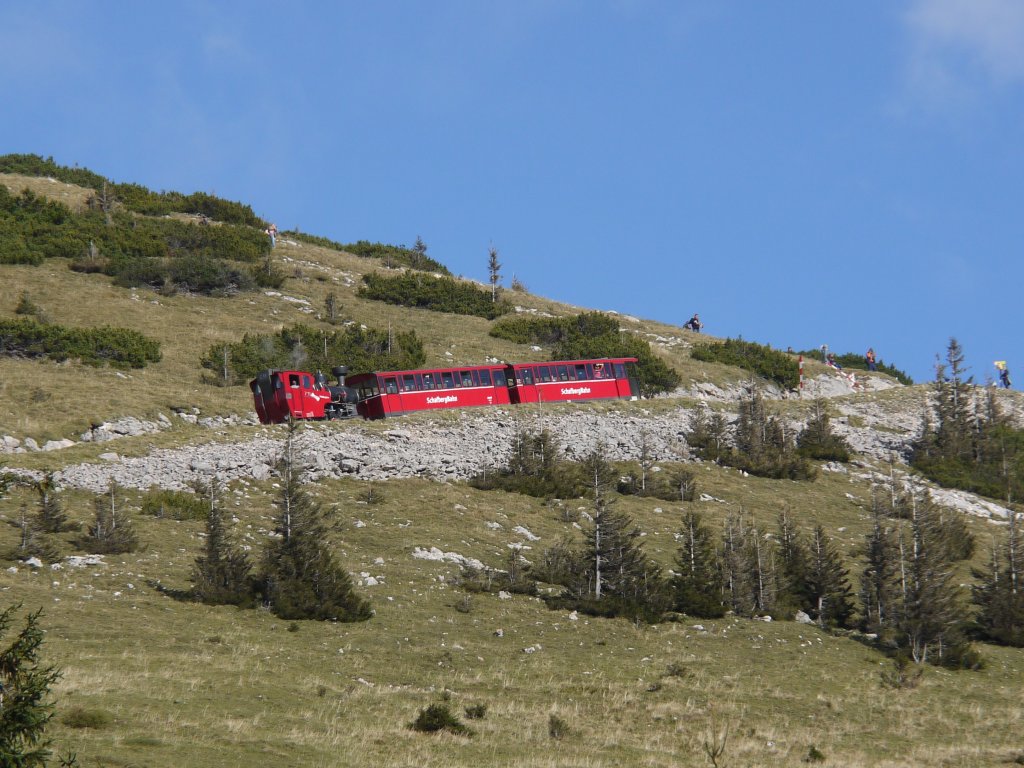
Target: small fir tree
300,578
494,272
25,684
794,590
50,516
828,583
697,587
880,582
111,531
999,593
220,576
818,441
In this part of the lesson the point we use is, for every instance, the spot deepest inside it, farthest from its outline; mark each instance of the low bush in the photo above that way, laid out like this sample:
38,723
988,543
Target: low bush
174,505
439,717
393,255
120,347
759,359
438,294
80,717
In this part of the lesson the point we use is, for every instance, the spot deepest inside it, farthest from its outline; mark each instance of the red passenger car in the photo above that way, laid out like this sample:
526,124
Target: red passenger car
569,380
397,392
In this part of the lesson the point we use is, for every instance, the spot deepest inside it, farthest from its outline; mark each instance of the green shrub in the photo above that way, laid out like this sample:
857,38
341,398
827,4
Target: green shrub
476,711
174,505
121,347
759,359
133,197
438,717
80,717
438,294
391,255
557,727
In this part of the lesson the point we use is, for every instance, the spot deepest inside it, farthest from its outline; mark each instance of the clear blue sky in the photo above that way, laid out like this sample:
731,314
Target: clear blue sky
798,172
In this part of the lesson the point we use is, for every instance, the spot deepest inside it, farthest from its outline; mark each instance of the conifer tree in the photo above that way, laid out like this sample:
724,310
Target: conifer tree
300,578
794,589
494,271
613,565
818,441
697,587
111,531
25,684
220,576
880,580
736,570
1000,591
50,517
828,583
709,434
930,621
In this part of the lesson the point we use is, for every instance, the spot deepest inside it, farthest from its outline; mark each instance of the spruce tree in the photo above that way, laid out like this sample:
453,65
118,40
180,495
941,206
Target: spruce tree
794,591
737,572
25,684
220,576
111,531
999,594
697,587
818,441
828,583
494,271
613,566
300,578
929,624
50,517
880,580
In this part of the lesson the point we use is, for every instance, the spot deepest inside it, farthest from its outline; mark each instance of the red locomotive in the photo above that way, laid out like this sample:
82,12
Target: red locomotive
283,395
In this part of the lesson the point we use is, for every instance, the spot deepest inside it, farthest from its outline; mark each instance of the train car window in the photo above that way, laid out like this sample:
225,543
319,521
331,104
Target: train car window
590,371
293,380
391,385
408,382
581,372
485,378
467,379
428,380
307,383
278,384
599,371
448,379
620,371
499,378
563,374
545,374
527,374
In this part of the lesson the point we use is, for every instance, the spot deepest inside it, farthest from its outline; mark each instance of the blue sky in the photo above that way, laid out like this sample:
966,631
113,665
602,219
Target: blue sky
798,172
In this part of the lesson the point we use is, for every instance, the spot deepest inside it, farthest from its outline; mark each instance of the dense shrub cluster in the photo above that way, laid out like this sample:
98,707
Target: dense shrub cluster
361,350
121,347
134,197
392,255
163,253
858,362
590,335
757,358
439,294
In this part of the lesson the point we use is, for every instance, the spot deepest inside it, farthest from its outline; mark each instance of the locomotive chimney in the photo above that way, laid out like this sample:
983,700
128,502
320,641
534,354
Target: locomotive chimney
340,372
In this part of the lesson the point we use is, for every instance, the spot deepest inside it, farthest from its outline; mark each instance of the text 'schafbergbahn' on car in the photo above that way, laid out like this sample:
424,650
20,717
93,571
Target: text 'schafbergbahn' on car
283,395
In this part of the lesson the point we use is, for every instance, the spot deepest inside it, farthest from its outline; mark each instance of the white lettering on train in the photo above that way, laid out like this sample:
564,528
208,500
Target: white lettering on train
443,400
575,390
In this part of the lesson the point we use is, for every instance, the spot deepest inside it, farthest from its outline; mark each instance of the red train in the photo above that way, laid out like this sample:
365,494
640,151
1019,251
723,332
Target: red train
283,395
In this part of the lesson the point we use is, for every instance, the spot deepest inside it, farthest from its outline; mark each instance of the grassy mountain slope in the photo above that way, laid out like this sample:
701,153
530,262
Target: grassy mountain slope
168,682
